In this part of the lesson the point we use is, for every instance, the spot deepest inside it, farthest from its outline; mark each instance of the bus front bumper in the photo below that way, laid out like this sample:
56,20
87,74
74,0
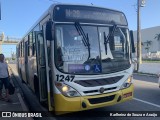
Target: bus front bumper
66,105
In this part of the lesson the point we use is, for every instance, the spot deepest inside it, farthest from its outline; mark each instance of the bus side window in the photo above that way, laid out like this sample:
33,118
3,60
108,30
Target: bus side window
49,53
22,46
20,50
30,44
41,49
34,51
34,44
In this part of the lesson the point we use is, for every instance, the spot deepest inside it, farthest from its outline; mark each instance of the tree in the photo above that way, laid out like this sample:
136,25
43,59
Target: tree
148,44
142,44
157,36
147,48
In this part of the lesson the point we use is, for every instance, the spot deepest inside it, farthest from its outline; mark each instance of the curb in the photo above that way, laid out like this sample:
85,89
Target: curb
146,74
34,106
24,106
22,102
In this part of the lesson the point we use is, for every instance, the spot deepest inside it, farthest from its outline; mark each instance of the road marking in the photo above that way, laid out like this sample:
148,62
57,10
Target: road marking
147,102
11,103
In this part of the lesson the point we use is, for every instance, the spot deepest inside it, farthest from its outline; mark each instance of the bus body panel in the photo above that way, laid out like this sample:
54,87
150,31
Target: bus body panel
55,98
124,75
31,71
23,69
67,105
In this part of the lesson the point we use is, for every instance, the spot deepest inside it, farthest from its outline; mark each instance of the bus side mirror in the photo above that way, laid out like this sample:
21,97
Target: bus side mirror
49,31
132,41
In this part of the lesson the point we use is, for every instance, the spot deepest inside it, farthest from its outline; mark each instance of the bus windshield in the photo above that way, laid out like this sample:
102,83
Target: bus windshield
92,49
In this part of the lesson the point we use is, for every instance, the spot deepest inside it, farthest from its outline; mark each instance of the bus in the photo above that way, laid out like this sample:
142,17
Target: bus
78,57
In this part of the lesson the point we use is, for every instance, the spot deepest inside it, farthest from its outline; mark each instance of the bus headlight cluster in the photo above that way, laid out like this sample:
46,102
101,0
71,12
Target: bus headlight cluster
127,83
67,90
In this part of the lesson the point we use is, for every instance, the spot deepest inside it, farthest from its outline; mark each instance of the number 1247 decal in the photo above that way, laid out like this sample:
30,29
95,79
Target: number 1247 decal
62,78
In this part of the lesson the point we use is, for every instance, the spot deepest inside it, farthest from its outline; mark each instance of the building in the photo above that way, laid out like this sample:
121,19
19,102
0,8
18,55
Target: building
7,41
150,43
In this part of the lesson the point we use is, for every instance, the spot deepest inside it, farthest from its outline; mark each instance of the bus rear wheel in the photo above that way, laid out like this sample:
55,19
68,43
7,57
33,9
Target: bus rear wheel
36,87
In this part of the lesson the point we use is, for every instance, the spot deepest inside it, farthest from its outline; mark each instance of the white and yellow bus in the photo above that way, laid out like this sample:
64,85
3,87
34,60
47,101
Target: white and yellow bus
78,57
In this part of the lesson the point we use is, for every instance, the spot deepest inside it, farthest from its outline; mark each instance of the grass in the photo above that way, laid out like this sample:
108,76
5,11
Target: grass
151,61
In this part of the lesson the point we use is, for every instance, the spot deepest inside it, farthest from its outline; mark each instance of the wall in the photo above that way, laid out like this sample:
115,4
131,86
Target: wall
149,34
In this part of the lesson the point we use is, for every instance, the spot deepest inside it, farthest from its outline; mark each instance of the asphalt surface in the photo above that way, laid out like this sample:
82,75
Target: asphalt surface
151,68
146,78
146,100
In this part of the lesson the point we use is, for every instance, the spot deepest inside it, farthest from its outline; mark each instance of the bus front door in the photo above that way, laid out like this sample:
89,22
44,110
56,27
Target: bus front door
41,62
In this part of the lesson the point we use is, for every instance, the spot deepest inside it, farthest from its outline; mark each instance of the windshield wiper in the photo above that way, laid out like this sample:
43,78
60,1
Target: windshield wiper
106,39
85,38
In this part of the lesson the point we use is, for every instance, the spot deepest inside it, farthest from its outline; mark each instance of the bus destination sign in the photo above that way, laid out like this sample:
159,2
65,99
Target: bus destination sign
92,14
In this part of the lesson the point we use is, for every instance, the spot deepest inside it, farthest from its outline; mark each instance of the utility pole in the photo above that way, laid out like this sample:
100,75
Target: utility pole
140,3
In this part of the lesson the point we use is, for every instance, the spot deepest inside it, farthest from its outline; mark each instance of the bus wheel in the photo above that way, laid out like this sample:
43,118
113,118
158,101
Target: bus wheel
36,87
23,81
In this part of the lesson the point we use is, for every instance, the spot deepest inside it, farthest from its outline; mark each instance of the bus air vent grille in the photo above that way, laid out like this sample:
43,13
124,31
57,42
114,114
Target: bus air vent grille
99,82
101,99
93,91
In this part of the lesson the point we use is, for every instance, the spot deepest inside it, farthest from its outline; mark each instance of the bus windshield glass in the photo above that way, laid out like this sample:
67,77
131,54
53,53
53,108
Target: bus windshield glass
91,49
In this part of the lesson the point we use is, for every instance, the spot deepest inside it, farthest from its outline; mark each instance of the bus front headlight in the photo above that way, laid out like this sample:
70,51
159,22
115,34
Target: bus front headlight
127,83
67,90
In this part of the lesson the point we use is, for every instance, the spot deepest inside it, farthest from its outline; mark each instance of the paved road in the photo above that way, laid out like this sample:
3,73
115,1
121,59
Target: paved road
147,78
152,68
146,98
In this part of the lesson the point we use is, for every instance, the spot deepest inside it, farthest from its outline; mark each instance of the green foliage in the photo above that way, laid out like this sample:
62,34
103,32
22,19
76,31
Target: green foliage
157,36
13,58
152,60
